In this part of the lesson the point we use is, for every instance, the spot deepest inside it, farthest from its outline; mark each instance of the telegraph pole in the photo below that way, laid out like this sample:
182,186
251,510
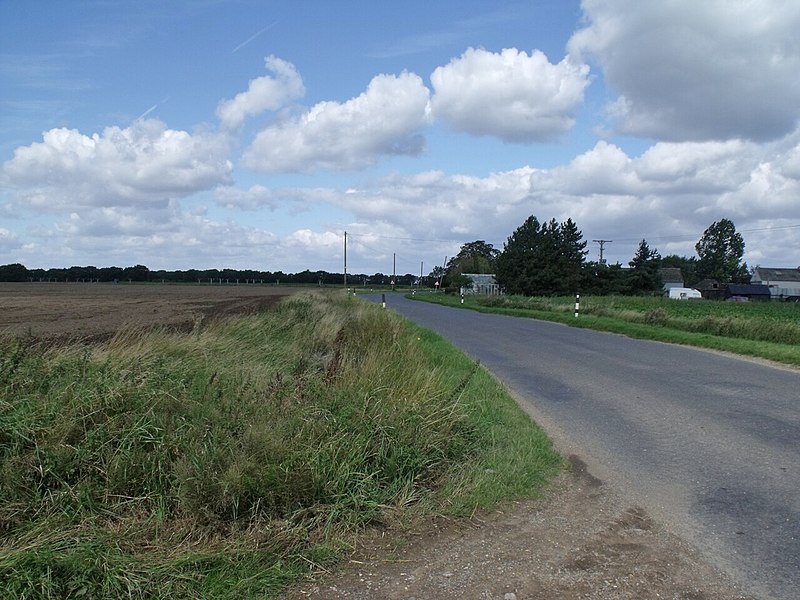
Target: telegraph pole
602,243
345,259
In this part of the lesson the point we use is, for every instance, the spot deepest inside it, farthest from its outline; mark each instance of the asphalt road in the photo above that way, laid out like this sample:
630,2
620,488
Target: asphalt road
708,443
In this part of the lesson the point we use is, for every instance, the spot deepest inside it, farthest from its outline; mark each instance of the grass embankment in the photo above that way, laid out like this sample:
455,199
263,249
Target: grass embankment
232,461
769,330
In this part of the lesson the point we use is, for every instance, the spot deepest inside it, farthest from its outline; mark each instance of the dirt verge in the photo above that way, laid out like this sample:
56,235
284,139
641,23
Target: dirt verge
580,540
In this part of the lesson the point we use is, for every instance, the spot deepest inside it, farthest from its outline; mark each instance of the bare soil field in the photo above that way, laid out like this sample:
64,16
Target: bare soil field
95,311
583,539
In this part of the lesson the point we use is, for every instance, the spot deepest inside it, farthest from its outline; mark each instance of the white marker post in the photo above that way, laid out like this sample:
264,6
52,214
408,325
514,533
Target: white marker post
577,305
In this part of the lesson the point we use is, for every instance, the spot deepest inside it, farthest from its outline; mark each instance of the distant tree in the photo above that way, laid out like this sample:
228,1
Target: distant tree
542,259
644,277
110,274
473,257
136,273
571,255
13,272
720,252
37,274
602,279
516,262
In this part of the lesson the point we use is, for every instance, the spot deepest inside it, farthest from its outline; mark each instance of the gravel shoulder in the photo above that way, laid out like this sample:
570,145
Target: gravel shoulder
582,539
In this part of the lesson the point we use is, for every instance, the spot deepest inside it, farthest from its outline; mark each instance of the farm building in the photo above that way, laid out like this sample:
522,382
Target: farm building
671,277
748,291
482,283
711,289
782,283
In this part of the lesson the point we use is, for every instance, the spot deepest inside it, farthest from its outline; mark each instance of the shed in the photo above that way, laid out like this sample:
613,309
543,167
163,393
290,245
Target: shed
711,289
747,290
482,283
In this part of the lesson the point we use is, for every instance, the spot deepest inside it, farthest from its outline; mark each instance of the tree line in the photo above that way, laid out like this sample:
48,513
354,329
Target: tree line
539,258
17,272
549,259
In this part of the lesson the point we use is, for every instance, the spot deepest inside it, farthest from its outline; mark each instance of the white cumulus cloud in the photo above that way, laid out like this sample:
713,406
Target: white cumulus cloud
689,70
511,95
384,120
146,162
269,92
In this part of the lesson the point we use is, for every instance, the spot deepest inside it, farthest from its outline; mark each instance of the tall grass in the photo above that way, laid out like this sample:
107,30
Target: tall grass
759,321
227,462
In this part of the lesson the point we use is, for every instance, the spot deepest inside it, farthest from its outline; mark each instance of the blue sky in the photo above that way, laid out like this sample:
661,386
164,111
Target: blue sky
253,134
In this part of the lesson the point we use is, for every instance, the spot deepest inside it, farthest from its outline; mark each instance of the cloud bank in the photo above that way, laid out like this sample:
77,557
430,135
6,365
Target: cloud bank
687,70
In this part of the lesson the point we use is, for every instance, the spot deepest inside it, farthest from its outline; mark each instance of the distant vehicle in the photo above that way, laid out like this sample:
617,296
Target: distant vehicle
681,293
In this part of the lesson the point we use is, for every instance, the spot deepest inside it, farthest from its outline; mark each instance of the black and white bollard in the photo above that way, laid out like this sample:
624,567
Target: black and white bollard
577,305
383,300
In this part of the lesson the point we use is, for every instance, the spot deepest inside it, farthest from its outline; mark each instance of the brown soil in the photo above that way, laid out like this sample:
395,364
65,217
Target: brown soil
95,311
581,540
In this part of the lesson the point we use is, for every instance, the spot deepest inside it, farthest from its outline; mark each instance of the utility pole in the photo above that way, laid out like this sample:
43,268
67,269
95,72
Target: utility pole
602,244
394,269
345,259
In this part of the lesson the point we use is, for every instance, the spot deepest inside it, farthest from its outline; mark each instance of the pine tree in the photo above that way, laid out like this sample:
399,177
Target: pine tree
644,276
573,253
542,259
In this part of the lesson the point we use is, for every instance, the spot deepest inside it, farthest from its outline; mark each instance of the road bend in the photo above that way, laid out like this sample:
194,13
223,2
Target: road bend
708,443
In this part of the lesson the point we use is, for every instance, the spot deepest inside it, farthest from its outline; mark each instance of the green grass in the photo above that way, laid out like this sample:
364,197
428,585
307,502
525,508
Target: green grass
768,330
232,461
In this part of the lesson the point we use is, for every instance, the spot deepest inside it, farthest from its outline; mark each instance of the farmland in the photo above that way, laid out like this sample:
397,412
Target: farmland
95,311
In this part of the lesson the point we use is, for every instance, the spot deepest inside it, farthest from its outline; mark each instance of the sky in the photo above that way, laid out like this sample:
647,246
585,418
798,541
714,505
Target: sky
252,134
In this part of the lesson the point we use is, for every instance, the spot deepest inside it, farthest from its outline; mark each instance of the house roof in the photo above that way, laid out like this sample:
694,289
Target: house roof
481,278
747,289
707,285
775,275
671,275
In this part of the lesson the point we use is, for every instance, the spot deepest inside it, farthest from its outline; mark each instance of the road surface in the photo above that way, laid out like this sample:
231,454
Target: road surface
709,443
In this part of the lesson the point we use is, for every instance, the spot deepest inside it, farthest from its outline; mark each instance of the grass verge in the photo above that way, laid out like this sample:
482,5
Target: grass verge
762,330
229,462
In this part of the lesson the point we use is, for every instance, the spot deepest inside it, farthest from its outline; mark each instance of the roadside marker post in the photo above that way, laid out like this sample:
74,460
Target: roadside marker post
383,300
577,305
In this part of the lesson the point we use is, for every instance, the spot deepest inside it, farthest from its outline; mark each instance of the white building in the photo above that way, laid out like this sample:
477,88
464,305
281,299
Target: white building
782,283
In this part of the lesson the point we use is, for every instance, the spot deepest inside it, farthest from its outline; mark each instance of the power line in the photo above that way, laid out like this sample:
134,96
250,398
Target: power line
408,239
688,238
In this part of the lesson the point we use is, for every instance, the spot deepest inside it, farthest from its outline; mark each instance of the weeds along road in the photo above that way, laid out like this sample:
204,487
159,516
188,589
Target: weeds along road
709,444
